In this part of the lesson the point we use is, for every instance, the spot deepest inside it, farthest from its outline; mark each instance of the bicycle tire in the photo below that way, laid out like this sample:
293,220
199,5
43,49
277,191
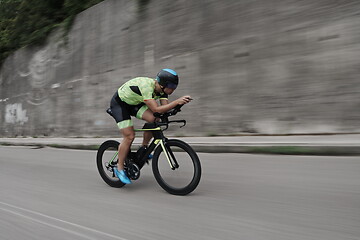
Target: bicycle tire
191,186
111,181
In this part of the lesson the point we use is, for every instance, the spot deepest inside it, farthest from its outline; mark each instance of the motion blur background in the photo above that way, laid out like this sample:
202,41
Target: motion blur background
252,67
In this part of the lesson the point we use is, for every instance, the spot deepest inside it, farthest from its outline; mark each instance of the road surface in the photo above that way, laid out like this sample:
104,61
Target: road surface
48,193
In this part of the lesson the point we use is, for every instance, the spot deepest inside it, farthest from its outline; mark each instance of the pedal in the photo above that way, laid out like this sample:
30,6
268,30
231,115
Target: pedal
108,167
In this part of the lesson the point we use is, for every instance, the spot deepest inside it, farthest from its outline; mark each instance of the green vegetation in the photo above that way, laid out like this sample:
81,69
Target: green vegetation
27,22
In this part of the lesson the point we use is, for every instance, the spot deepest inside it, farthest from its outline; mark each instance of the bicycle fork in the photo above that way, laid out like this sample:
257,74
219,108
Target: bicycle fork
168,154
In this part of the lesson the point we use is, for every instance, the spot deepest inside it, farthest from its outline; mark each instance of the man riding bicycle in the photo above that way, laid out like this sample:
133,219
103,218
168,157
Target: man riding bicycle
137,97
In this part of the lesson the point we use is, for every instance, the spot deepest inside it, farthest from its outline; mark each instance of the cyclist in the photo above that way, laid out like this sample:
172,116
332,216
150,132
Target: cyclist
137,97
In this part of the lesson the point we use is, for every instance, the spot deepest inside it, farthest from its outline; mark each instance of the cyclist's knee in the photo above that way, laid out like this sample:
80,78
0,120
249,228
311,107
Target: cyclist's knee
128,135
151,119
148,116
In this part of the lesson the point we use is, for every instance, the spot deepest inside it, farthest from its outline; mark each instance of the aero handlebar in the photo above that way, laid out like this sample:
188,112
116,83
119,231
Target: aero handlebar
165,117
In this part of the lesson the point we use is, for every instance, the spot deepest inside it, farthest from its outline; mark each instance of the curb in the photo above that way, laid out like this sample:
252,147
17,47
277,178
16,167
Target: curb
283,149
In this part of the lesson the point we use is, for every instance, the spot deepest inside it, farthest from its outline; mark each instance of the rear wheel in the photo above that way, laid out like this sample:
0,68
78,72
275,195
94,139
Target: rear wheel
106,160
178,169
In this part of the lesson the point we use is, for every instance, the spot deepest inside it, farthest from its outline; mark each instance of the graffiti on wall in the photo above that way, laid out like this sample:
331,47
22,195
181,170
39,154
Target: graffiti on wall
15,114
41,71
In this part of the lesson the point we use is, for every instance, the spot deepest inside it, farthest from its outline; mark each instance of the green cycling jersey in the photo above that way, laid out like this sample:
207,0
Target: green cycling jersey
138,90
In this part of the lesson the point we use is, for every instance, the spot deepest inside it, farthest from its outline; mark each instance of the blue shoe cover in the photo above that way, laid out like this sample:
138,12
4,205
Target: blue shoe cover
122,176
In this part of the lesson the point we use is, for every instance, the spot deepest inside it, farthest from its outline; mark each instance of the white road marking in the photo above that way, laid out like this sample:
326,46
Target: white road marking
58,220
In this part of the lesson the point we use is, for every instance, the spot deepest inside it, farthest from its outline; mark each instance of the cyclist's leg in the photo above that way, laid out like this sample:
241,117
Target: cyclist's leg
124,148
148,117
122,117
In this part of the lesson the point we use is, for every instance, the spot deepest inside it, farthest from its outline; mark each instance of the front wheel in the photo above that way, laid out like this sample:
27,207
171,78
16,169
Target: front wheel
177,169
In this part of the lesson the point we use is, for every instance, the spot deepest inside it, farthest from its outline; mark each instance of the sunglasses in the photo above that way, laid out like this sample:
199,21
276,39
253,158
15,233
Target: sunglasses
171,85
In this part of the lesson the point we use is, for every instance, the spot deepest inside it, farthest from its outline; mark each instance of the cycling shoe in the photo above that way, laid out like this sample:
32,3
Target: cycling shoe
122,176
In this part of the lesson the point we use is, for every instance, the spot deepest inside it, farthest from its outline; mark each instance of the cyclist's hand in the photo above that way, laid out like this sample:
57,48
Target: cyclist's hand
184,100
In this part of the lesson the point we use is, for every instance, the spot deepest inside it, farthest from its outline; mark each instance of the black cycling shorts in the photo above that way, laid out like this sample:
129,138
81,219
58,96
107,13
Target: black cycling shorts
122,111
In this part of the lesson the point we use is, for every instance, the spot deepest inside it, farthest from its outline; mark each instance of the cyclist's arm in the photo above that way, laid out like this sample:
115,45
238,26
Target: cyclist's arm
164,101
154,107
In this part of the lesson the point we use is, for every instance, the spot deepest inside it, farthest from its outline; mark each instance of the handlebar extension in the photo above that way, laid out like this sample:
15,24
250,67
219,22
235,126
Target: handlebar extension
172,112
165,117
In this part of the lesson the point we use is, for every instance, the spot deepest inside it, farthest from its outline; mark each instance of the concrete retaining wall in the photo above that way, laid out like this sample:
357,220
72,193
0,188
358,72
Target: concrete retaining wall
252,67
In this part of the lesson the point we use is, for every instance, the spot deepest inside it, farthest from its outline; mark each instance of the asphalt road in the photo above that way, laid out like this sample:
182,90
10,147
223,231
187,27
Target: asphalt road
57,194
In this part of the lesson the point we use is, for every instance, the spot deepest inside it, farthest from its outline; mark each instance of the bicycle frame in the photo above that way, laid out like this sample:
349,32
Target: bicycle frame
158,135
159,139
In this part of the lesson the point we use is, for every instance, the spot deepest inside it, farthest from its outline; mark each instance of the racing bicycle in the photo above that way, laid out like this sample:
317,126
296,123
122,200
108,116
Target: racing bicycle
175,165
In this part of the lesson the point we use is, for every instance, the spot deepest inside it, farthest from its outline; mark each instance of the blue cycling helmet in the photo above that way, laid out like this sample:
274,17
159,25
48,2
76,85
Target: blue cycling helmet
168,78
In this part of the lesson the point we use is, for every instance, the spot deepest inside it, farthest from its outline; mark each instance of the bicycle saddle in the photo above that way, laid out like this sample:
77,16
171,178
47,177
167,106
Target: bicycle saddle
109,112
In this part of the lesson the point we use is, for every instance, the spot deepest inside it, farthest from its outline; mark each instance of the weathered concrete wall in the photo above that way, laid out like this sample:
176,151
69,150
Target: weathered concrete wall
252,66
